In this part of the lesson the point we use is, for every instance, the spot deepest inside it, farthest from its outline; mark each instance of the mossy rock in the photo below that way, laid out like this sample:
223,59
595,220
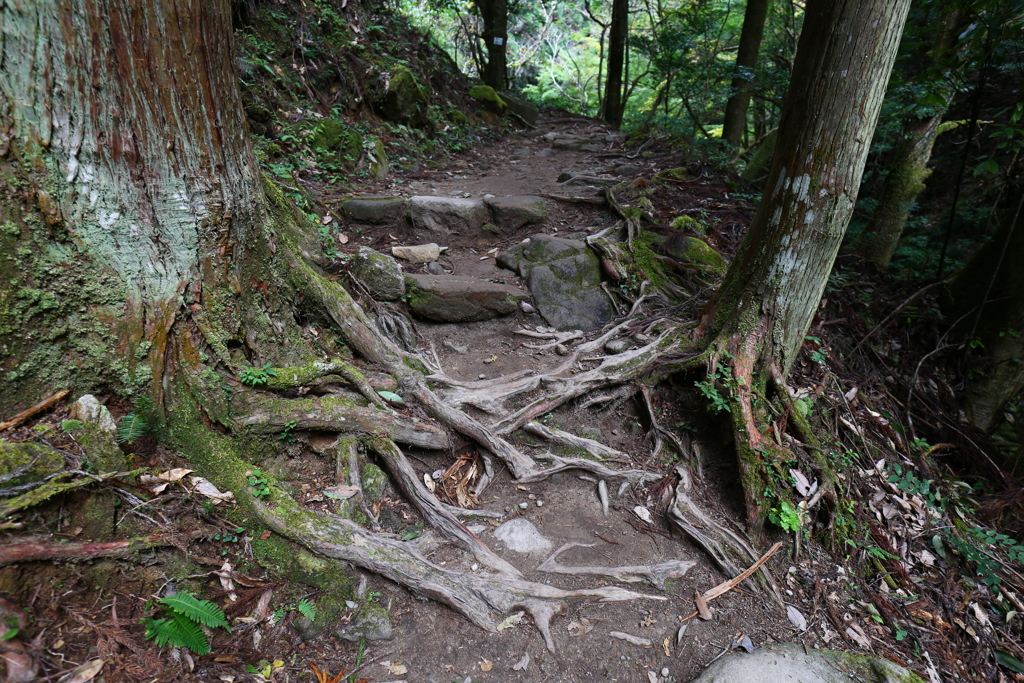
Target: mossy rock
405,100
491,100
696,252
457,117
24,463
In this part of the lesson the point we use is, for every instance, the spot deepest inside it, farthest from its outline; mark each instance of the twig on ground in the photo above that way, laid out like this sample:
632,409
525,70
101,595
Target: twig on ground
45,404
726,586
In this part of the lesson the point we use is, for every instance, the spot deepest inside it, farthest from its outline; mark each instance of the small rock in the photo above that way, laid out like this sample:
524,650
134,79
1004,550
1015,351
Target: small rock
481,376
641,338
626,169
452,346
664,671
523,506
561,349
435,268
526,307
381,274
617,345
419,253
88,409
540,503
521,536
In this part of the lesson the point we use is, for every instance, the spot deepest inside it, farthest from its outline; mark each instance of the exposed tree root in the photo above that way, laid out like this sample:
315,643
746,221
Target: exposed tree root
63,552
655,574
480,598
563,438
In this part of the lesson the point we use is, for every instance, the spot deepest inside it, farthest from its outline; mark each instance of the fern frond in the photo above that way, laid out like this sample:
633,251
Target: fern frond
178,631
307,609
131,427
203,611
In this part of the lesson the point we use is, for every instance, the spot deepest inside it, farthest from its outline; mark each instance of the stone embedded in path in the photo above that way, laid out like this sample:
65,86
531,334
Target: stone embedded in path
417,253
444,215
372,209
564,277
450,298
789,662
521,536
380,273
512,213
527,110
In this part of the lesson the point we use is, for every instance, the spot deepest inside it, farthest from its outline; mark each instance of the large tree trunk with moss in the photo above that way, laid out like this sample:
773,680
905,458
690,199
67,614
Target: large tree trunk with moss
617,35
762,310
908,168
988,300
735,124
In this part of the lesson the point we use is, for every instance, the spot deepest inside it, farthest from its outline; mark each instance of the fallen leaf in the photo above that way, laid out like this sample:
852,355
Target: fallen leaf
428,481
742,640
679,635
523,662
796,618
652,677
635,640
583,626
857,635
643,513
396,668
800,482
511,621
486,665
177,474
702,606
207,489
84,673
341,491
343,238
665,647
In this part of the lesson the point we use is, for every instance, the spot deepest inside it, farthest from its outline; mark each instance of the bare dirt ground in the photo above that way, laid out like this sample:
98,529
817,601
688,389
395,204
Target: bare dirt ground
88,610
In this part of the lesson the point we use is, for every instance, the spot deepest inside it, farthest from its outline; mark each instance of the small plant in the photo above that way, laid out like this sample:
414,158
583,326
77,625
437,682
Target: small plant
259,484
182,627
286,433
257,377
137,423
303,607
908,482
719,401
785,516
818,355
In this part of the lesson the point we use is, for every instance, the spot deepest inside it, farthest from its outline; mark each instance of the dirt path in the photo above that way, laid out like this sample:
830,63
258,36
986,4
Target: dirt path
436,645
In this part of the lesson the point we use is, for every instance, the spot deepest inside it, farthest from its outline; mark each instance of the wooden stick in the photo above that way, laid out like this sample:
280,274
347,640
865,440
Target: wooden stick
727,586
37,408
36,552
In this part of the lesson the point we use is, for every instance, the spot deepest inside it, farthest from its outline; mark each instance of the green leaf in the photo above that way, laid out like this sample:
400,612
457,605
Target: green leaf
11,634
202,611
307,609
1010,662
391,396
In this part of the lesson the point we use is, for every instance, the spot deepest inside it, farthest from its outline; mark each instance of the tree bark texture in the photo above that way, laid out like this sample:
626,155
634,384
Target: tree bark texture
616,60
908,169
128,116
495,16
742,83
774,285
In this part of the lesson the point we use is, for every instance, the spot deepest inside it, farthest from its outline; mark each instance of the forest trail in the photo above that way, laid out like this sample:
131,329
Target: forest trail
433,643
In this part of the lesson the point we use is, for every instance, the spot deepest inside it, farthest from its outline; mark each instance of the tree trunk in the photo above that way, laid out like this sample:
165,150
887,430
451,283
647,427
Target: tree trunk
762,310
616,60
989,295
742,83
495,35
909,166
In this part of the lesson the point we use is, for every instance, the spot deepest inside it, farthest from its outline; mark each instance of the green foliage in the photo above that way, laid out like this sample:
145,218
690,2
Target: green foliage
181,628
786,516
286,433
718,399
137,423
259,484
257,377
907,481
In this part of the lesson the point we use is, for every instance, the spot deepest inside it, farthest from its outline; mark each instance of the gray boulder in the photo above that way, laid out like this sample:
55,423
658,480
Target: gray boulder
512,213
441,216
789,662
564,277
374,210
449,298
380,273
527,110
371,622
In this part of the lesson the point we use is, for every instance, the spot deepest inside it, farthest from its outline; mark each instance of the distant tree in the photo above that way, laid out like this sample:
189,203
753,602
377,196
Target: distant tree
618,34
735,124
495,35
761,312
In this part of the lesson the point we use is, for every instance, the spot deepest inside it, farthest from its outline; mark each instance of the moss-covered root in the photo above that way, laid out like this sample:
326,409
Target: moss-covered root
295,377
481,599
262,415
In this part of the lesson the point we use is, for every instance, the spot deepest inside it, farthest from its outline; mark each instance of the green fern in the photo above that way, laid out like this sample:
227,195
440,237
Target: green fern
135,424
307,609
183,629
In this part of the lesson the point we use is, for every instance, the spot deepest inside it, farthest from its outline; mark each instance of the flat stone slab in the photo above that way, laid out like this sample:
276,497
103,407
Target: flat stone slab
375,210
521,536
450,298
789,663
512,213
445,215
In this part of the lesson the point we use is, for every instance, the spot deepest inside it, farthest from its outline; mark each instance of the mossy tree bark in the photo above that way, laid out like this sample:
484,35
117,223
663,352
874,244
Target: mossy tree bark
735,124
908,168
495,17
762,310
